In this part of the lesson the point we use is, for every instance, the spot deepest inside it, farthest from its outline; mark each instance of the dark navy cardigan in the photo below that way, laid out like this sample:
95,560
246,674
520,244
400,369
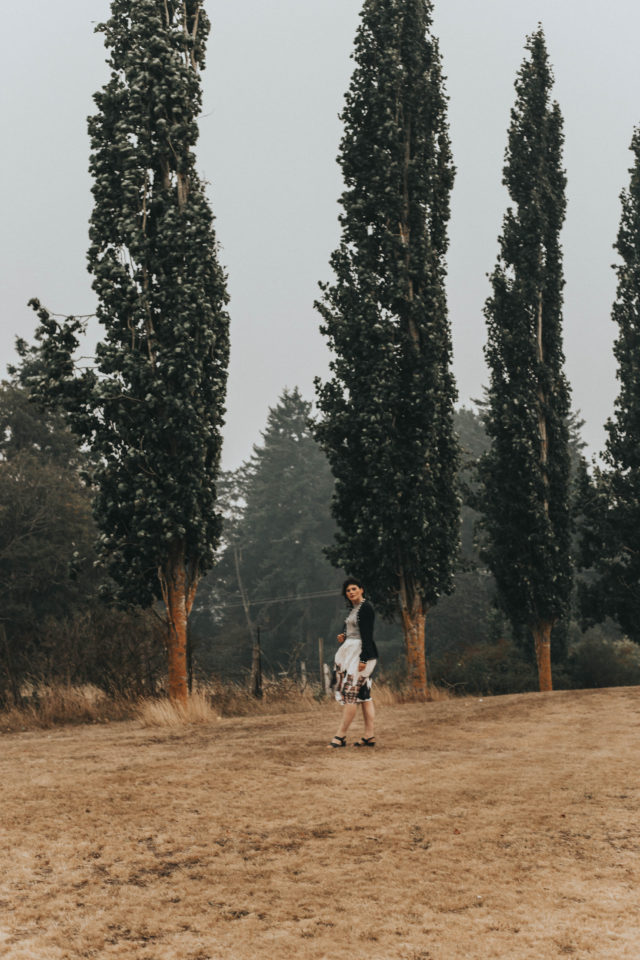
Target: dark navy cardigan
366,616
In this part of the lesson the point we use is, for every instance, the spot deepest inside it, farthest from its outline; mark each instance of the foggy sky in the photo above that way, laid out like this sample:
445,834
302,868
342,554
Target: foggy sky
274,84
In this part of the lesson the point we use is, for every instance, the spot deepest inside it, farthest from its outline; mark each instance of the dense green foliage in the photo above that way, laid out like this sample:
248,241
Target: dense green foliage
610,530
45,531
52,626
386,411
474,443
277,510
525,500
152,408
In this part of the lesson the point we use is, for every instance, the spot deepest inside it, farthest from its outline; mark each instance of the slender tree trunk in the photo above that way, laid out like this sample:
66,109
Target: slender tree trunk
254,630
413,617
542,639
413,624
321,663
256,667
177,635
189,659
179,593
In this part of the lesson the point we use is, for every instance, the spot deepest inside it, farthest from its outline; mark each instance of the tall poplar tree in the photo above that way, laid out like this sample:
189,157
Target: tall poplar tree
151,410
387,409
611,524
526,471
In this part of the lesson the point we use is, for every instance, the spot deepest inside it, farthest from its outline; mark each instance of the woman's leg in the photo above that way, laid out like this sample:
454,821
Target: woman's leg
369,714
348,713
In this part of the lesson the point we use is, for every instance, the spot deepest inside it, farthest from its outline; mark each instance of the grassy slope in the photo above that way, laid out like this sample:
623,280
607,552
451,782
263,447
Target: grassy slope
502,828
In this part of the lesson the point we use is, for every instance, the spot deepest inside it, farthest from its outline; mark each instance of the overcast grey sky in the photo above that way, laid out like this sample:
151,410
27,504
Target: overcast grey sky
276,75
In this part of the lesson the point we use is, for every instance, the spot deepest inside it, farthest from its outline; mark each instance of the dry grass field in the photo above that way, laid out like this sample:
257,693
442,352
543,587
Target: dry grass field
477,829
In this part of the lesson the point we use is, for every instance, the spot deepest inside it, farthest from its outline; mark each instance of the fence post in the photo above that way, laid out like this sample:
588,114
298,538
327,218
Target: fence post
321,663
256,667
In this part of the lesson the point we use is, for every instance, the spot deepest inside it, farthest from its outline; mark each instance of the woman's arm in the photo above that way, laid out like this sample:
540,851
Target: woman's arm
366,617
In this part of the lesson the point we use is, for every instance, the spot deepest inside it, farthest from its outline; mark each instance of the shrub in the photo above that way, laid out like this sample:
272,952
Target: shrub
120,652
598,661
486,668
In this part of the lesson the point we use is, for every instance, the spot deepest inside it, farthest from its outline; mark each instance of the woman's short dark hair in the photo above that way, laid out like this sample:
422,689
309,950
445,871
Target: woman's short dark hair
348,582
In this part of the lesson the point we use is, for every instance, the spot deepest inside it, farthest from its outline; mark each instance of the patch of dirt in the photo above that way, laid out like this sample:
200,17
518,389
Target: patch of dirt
497,828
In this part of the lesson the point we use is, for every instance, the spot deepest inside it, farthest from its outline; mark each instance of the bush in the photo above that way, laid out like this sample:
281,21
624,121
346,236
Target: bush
121,652
598,661
486,668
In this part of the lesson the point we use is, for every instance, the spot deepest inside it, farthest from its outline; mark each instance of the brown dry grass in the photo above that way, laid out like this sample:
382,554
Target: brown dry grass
53,704
477,829
167,713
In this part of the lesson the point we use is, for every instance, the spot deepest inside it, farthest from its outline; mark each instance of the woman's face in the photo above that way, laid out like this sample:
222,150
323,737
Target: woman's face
355,594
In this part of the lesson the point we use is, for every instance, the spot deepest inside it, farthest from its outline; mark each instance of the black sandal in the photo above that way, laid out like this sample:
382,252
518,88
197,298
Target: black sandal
365,742
336,746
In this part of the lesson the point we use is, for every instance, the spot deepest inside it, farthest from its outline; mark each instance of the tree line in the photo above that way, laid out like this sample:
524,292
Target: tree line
147,415
271,566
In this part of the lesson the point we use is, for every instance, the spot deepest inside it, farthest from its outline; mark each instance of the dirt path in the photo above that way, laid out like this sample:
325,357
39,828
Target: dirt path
503,828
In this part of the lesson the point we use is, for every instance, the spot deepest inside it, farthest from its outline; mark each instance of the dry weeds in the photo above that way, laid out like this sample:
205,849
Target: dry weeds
478,829
165,713
47,705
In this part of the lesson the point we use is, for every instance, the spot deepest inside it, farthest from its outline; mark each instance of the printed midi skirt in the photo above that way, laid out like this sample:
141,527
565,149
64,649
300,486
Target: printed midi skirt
349,684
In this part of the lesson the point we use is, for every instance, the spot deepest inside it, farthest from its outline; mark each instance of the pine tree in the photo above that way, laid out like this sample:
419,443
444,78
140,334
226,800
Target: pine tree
46,531
387,409
286,522
611,524
152,409
280,524
526,472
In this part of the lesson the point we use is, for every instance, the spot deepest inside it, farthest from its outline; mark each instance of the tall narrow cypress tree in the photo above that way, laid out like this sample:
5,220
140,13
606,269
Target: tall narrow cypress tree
152,410
526,471
387,409
611,526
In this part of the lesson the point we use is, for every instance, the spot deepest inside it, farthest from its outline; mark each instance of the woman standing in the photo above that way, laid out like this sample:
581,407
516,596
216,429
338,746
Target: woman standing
355,661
